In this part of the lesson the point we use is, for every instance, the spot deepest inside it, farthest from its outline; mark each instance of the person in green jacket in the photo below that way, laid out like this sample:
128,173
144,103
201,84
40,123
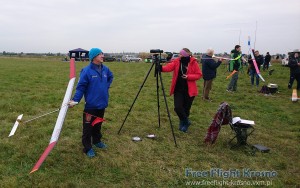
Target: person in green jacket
235,64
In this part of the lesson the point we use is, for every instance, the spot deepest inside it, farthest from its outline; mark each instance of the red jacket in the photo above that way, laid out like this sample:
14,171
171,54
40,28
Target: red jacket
193,72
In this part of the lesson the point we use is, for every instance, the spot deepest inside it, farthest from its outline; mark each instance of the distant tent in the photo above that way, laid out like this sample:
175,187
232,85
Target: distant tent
79,54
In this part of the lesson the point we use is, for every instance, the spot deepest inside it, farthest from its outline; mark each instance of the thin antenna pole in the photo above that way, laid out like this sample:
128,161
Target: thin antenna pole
240,37
255,34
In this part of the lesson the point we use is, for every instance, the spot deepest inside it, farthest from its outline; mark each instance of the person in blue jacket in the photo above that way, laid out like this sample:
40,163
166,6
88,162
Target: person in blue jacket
94,83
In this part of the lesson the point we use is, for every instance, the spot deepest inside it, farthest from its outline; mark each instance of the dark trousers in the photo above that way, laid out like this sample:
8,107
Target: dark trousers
254,74
91,134
292,78
233,82
206,88
266,66
183,103
297,77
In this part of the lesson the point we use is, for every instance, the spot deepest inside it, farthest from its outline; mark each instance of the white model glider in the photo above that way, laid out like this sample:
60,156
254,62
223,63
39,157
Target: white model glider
60,118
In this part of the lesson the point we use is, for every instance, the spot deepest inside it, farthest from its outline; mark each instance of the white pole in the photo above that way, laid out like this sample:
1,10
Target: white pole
240,37
255,34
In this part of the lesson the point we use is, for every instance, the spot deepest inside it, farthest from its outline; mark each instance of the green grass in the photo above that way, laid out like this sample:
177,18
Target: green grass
34,86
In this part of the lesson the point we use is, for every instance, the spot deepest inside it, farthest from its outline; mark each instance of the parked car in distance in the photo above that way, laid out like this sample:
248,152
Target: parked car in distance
130,58
285,60
108,58
163,60
174,56
150,59
169,56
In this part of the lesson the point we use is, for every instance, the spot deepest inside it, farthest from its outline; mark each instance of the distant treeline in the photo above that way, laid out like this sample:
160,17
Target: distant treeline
4,53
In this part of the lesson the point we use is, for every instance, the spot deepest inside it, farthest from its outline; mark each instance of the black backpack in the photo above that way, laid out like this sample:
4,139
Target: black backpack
265,89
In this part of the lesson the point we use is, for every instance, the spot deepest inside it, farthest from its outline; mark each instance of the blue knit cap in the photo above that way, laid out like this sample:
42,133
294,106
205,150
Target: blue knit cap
94,52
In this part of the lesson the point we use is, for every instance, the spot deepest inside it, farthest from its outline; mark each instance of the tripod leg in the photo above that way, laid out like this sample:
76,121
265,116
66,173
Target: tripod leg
165,99
141,87
157,95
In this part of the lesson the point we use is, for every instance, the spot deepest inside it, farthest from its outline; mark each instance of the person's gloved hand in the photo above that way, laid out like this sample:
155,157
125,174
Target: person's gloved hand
72,103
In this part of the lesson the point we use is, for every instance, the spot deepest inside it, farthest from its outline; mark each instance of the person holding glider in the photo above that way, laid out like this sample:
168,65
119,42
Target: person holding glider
94,83
234,66
209,71
260,61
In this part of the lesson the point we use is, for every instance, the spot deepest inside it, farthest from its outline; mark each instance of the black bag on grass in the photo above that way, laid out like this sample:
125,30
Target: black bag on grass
265,89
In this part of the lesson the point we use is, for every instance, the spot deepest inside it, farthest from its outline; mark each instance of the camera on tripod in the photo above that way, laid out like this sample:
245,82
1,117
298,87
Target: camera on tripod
156,57
161,59
156,51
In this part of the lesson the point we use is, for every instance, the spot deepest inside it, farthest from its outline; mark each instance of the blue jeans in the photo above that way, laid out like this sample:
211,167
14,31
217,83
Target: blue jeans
252,74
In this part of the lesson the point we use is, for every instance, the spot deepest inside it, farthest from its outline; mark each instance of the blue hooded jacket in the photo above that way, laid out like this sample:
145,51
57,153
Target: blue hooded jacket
93,84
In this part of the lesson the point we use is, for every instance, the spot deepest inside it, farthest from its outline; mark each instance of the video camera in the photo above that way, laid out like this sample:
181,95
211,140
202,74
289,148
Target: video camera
156,51
156,57
161,59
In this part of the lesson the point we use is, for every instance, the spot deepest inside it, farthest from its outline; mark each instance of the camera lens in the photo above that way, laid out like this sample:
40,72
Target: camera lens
156,51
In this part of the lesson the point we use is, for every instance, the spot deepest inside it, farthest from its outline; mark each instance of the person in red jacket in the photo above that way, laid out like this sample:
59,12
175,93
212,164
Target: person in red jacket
186,72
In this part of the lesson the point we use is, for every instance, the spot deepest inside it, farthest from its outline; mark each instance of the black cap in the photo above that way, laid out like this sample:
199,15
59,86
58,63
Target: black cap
237,46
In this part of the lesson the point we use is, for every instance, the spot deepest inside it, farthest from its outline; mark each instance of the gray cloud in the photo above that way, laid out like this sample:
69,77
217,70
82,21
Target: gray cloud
135,26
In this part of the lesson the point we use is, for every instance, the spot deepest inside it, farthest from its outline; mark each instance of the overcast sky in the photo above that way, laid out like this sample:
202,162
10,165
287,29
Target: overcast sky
140,25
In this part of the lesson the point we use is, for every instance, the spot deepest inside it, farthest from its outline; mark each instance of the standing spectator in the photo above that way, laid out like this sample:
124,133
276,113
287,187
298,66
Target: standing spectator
94,83
267,61
186,72
259,61
294,65
234,65
209,71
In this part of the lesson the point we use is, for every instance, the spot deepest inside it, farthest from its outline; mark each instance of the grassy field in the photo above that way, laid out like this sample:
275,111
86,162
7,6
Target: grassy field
34,86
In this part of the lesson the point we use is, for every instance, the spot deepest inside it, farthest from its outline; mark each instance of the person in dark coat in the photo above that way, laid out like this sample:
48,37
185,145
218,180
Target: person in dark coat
209,72
267,61
259,61
294,65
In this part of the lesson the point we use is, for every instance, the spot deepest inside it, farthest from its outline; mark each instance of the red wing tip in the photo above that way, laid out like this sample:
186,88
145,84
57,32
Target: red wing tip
33,170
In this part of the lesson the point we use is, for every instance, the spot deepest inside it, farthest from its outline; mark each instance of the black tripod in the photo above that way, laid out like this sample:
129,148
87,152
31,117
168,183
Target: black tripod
157,74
